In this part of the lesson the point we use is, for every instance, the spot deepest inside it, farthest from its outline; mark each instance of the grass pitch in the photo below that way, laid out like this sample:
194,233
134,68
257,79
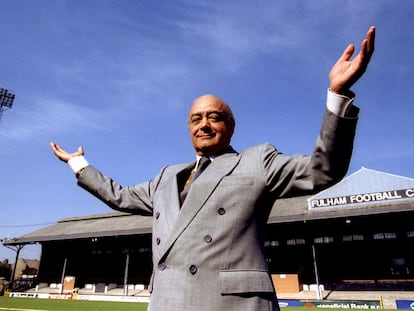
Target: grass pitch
33,304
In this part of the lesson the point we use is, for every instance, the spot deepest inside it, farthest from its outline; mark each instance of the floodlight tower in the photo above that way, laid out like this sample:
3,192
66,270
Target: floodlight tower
6,100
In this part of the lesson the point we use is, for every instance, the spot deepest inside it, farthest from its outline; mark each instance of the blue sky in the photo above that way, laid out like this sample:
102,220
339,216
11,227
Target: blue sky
118,77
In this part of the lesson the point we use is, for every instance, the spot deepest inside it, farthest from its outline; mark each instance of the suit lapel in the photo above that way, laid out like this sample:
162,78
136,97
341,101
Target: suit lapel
183,175
174,197
170,197
200,192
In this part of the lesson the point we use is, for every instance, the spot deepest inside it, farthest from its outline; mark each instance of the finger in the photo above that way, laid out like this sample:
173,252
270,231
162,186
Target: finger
54,147
347,54
80,151
58,152
367,45
371,40
366,52
59,149
364,48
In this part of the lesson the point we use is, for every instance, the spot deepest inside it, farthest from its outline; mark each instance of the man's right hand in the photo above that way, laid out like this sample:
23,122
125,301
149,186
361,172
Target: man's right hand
63,155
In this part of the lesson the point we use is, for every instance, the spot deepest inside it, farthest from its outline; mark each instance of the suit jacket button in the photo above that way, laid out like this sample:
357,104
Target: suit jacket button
221,211
208,238
162,266
193,269
158,241
157,215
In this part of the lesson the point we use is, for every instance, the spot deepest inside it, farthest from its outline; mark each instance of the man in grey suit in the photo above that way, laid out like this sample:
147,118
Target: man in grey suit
208,246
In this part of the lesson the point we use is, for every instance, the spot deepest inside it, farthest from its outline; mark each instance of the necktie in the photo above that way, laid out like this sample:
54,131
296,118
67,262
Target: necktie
202,164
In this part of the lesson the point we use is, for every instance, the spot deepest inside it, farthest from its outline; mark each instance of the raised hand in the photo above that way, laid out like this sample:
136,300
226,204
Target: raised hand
346,71
62,154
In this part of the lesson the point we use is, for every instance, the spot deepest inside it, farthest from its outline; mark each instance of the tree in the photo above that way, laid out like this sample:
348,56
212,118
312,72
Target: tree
5,269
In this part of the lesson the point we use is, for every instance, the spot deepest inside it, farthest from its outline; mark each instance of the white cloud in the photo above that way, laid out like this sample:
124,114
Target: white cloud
44,116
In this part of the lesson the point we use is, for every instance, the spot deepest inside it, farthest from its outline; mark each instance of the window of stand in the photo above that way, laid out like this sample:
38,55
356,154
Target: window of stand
352,237
271,243
385,236
296,242
323,240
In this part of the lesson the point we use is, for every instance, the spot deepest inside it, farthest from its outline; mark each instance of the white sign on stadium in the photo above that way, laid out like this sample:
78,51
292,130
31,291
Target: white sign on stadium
362,198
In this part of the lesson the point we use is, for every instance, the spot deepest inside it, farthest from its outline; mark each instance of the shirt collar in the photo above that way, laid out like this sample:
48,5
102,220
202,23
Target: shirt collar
199,157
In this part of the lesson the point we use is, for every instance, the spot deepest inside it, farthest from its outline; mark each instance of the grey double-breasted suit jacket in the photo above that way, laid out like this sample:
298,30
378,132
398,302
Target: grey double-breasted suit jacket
208,254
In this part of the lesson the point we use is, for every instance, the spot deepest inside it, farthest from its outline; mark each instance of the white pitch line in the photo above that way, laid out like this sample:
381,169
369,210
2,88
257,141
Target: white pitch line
18,309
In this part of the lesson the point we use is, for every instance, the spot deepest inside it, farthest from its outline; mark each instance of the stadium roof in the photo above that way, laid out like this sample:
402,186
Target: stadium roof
366,192
91,226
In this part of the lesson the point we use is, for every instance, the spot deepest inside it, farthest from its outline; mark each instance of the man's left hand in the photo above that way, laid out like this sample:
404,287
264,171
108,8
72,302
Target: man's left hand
346,71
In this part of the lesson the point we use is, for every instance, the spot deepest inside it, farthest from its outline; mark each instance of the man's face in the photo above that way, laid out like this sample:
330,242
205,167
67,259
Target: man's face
211,125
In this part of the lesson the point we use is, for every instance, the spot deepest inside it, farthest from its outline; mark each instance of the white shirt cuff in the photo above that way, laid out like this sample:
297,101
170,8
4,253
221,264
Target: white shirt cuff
338,104
77,163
